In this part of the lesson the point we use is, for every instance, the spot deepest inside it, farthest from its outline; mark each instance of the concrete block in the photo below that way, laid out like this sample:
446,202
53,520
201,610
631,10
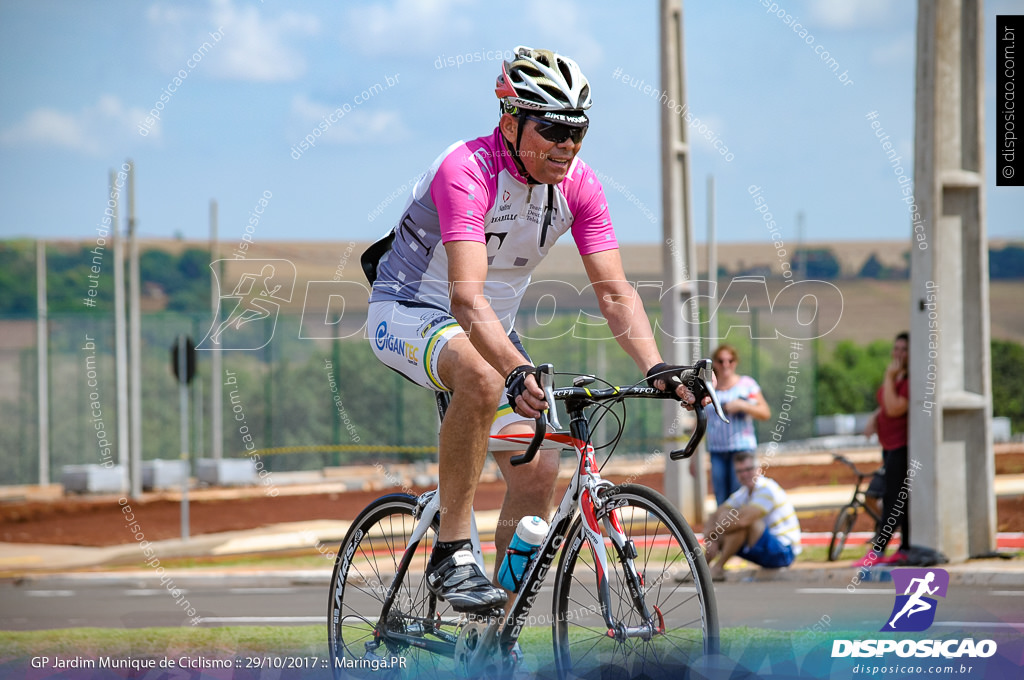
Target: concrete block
227,472
92,479
164,474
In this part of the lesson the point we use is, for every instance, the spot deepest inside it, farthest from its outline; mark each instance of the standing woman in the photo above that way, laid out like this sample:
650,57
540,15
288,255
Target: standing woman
742,401
891,427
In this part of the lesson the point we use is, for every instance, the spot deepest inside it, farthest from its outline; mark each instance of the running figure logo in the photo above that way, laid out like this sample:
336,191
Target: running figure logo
260,286
914,610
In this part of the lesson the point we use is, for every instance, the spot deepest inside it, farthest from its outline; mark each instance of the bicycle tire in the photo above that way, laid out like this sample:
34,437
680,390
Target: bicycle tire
364,571
676,580
841,531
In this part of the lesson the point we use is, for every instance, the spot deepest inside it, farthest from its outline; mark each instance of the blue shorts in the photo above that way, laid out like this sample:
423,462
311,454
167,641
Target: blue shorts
768,552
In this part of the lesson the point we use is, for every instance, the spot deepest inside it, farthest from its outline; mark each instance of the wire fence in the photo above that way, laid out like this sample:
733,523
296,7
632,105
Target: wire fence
312,402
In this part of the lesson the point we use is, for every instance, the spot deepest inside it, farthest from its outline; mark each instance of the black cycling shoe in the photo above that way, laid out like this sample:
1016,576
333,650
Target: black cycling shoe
459,580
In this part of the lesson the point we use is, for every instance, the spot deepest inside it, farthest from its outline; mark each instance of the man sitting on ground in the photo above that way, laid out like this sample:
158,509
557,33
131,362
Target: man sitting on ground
757,522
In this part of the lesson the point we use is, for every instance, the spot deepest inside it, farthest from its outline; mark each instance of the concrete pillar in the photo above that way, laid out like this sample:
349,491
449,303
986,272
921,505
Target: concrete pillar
953,500
679,257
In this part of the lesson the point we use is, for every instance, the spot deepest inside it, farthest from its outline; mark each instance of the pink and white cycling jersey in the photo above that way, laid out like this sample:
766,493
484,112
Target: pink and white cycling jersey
473,192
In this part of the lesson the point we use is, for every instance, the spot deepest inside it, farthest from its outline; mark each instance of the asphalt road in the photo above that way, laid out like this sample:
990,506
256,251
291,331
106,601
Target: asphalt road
107,603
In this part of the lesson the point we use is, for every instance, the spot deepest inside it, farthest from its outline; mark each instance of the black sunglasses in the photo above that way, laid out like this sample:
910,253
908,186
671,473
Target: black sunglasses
558,132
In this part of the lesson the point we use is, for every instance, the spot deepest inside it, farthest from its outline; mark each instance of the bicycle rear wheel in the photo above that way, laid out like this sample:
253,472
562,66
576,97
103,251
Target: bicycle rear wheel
676,586
841,531
365,570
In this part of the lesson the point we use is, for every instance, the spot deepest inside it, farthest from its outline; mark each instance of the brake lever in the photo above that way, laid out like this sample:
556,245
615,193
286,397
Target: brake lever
700,383
546,379
708,385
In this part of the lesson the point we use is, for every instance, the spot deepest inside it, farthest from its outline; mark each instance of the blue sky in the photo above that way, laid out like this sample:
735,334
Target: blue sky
79,79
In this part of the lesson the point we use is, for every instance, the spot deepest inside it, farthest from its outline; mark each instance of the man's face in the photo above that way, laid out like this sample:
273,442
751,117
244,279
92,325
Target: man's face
746,473
547,162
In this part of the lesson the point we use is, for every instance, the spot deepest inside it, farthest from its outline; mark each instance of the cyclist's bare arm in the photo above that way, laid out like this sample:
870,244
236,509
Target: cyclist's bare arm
622,307
467,271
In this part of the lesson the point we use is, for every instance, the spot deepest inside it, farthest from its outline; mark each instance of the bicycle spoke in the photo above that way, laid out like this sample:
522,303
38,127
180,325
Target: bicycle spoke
356,627
685,604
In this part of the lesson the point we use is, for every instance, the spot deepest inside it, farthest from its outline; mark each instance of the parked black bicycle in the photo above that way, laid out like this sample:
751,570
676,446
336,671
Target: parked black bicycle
863,499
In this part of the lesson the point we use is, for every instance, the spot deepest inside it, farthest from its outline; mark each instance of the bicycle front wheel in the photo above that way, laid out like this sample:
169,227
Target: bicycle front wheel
841,531
364,637
675,587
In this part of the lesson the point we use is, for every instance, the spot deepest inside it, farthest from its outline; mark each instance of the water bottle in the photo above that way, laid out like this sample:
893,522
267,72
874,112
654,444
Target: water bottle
529,535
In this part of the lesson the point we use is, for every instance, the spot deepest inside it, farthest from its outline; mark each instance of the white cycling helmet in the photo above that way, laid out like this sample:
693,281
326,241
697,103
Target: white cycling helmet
540,80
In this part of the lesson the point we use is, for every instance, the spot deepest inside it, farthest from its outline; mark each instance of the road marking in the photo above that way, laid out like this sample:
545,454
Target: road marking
1011,593
147,592
844,591
255,591
50,593
264,619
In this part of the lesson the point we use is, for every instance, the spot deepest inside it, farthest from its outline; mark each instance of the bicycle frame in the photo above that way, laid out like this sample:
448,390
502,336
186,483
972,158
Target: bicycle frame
860,498
582,495
860,495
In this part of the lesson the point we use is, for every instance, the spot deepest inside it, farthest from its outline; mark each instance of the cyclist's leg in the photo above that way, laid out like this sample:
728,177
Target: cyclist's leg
529,489
476,389
427,346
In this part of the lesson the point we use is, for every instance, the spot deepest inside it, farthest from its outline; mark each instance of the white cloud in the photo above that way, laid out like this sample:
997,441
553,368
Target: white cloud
351,125
254,47
408,26
92,129
844,14
576,42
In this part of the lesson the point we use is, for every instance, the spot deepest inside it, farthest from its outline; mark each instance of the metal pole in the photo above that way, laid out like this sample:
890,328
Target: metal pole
43,363
196,392
135,346
183,406
679,259
216,358
712,268
335,418
801,252
120,340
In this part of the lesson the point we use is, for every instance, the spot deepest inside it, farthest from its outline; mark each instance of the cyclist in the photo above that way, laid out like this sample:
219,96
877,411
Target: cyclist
448,279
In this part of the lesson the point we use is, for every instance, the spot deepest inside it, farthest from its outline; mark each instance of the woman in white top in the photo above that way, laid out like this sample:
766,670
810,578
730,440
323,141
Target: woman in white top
742,401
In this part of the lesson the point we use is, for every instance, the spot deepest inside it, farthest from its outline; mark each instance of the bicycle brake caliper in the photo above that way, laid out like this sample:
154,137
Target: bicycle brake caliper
421,503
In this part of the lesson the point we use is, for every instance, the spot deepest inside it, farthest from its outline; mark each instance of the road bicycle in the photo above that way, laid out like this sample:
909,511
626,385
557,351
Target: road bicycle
632,593
847,517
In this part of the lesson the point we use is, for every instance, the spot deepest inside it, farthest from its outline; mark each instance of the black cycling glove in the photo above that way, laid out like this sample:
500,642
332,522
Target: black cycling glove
515,383
672,375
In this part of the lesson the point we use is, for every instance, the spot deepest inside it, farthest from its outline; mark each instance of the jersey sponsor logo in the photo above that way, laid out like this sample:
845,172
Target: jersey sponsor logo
388,342
533,213
503,218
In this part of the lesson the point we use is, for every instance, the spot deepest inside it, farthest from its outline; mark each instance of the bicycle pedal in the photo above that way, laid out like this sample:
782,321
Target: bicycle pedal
486,616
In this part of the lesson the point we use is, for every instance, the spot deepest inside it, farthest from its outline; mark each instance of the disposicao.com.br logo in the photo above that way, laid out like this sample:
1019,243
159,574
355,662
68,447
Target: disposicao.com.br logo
914,611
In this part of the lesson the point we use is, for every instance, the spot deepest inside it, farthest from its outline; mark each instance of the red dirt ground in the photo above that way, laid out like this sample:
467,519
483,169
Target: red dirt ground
81,521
